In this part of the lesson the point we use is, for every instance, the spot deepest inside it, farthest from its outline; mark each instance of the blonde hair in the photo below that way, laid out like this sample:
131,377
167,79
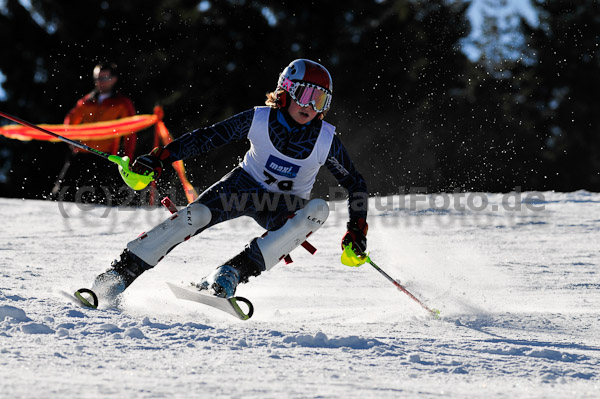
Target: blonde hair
273,98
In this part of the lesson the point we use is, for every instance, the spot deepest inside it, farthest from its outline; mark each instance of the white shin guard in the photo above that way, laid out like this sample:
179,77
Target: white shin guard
276,245
152,246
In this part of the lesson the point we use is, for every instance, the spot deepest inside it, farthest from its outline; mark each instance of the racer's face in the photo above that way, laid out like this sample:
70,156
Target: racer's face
104,81
300,114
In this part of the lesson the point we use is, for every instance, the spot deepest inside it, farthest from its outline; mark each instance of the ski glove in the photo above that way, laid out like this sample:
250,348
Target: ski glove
151,163
356,235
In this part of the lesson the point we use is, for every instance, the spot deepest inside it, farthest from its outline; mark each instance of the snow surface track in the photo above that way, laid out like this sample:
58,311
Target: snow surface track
519,292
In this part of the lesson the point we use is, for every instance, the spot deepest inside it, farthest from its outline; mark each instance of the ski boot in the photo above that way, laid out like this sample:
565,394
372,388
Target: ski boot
225,279
222,282
122,272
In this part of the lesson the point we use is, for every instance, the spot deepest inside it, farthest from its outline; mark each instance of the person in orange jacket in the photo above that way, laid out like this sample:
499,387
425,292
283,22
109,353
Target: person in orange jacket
103,103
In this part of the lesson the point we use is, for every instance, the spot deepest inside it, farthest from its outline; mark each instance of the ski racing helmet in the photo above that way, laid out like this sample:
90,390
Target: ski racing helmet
307,83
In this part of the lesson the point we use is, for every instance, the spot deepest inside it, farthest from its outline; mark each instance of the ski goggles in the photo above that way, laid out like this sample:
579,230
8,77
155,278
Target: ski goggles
305,94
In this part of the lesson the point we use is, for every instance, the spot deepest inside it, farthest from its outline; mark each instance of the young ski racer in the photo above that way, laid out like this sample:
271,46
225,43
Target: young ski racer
289,142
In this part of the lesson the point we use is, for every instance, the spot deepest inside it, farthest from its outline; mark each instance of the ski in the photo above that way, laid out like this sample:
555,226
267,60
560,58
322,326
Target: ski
82,297
228,305
87,298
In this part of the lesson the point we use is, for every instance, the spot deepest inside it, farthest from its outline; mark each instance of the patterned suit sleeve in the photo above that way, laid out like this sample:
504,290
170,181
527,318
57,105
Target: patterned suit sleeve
206,139
342,168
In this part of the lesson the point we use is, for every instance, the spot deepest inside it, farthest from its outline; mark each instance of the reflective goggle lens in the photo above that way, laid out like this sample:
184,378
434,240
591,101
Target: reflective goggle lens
310,95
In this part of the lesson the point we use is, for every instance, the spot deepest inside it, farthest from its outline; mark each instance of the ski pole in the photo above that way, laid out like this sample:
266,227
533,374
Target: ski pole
134,180
349,258
434,312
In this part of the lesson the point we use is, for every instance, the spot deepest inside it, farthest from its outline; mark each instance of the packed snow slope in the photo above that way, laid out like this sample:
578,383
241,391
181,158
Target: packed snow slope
515,278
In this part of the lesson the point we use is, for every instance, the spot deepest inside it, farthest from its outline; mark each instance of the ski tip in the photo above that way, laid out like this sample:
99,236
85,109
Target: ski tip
241,314
87,298
436,314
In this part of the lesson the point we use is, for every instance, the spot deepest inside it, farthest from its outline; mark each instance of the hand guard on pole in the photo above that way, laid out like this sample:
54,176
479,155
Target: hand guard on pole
356,235
151,163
